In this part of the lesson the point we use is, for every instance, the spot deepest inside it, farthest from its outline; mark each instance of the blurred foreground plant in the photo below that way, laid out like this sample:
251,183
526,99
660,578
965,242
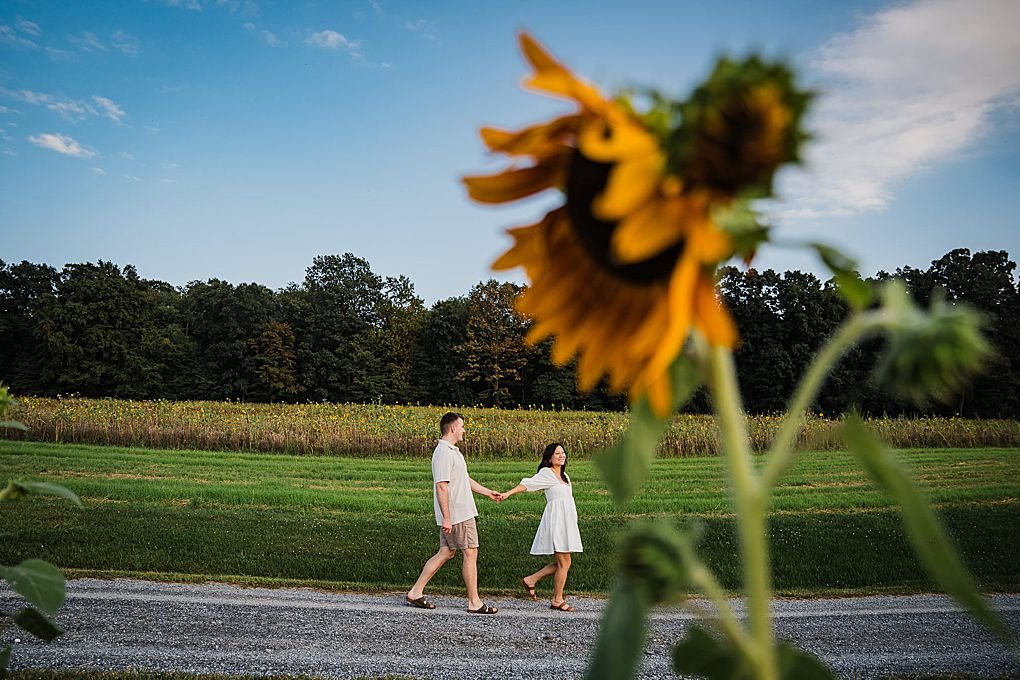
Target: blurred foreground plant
38,581
622,274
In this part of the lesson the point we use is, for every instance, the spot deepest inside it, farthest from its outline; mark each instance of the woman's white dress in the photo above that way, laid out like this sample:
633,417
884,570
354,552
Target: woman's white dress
557,532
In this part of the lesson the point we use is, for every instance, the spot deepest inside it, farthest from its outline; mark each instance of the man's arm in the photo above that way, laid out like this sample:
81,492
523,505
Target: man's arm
485,491
443,494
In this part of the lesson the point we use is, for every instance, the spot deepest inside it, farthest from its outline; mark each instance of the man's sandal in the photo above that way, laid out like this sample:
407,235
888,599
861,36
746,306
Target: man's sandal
484,609
420,603
530,589
562,606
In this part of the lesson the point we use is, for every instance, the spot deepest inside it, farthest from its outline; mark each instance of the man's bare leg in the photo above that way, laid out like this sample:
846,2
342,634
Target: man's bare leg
470,571
429,570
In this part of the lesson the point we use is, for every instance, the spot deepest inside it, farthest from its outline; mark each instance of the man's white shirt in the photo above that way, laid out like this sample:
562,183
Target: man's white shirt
448,465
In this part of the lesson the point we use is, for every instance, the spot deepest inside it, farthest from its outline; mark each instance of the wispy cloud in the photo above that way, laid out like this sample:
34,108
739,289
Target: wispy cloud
193,5
10,38
26,26
73,110
87,42
423,27
62,144
126,43
246,8
98,171
331,40
908,89
267,37
60,56
377,6
109,108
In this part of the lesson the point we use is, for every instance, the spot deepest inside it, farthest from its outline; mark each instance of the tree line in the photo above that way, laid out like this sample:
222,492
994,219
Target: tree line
346,334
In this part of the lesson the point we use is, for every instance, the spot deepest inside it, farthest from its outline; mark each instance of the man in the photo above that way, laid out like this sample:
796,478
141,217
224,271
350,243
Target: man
455,514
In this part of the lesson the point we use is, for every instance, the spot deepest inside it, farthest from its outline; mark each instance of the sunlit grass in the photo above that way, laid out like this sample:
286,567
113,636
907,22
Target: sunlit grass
367,522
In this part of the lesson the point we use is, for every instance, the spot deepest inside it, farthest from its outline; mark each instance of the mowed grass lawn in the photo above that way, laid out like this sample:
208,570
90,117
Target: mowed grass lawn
367,523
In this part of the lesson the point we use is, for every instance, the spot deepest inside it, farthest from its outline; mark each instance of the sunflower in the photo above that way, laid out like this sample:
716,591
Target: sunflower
624,270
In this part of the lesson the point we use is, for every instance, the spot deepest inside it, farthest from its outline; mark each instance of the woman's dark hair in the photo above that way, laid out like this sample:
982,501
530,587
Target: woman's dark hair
547,461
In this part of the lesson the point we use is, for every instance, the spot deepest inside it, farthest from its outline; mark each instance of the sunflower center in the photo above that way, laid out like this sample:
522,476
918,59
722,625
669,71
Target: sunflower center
586,179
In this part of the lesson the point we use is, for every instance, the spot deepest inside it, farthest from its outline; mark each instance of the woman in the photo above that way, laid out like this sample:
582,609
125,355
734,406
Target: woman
557,533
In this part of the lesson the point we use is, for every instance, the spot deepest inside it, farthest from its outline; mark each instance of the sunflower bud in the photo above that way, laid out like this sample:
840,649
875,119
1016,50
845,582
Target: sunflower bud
930,354
739,127
652,560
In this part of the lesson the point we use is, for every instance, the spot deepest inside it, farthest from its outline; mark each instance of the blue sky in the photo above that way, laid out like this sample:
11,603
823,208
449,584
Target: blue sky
239,139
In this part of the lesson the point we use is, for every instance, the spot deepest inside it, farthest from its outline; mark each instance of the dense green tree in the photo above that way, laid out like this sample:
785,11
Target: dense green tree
337,351
437,360
224,320
494,352
100,333
22,361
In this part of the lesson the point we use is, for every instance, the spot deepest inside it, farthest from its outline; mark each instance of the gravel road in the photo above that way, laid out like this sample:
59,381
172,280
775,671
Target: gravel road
216,628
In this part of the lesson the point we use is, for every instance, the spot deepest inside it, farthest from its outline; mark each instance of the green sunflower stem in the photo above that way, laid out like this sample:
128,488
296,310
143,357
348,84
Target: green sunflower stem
780,454
751,500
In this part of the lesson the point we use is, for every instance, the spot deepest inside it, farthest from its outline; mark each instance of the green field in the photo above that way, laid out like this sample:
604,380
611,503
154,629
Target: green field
367,523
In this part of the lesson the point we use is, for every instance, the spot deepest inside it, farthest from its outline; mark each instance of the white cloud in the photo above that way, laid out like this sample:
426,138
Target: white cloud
911,87
331,40
170,167
167,180
73,110
10,38
60,55
62,144
4,109
267,37
87,42
127,156
128,44
132,178
377,6
99,171
26,26
109,108
427,29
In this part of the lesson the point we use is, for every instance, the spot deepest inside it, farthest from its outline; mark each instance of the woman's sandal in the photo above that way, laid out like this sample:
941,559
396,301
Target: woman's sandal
562,606
530,589
484,609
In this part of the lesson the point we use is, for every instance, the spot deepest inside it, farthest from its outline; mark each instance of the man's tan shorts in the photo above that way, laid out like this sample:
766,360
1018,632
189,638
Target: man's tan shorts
463,535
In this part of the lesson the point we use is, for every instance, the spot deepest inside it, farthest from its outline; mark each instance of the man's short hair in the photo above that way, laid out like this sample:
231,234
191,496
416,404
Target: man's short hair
447,420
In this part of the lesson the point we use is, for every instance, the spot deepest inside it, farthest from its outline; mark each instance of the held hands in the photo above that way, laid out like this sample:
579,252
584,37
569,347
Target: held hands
495,496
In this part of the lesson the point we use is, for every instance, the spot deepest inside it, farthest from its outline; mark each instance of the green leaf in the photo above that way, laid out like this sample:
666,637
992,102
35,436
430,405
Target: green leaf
625,465
622,635
39,582
37,624
844,270
13,425
926,533
704,655
49,489
796,664
743,225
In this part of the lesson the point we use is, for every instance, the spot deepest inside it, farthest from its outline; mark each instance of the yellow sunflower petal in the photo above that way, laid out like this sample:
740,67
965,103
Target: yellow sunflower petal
631,184
553,77
713,320
515,183
647,232
533,140
615,137
681,306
